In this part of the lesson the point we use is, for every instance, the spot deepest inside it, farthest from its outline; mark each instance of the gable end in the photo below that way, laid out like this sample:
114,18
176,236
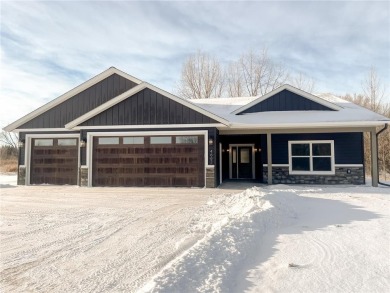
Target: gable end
286,100
148,107
81,103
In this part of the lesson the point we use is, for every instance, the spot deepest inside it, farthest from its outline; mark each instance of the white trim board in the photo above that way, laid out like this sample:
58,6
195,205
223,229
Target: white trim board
293,90
91,135
94,80
151,126
134,91
27,150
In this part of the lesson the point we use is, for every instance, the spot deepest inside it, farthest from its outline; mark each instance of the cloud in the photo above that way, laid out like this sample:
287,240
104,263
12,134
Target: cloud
47,48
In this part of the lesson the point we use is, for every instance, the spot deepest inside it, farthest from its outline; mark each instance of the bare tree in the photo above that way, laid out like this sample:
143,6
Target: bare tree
260,74
373,89
9,139
234,80
302,82
373,98
201,77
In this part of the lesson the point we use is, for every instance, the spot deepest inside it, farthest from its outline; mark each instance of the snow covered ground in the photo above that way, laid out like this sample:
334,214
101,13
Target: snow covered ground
264,239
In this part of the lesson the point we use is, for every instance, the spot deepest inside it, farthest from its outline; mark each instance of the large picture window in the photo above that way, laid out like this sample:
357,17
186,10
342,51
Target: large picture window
311,157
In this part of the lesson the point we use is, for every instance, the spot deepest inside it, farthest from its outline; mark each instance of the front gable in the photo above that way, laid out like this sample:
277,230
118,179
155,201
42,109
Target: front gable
78,101
147,107
287,98
81,103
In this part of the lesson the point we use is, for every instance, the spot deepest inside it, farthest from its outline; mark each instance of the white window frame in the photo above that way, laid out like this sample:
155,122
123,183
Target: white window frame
311,172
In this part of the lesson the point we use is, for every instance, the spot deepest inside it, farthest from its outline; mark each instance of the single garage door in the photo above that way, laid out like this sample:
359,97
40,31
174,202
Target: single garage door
148,161
54,161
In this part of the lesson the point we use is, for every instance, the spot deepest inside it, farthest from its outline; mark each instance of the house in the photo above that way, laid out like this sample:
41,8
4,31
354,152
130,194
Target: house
116,130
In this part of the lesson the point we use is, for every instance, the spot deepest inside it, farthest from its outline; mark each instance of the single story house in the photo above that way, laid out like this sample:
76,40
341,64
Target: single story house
116,130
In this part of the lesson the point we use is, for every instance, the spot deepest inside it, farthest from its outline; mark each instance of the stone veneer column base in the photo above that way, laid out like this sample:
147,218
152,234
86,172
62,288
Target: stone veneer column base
22,175
210,177
83,176
280,175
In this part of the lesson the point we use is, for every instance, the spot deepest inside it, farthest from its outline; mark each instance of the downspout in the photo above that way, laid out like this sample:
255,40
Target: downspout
377,134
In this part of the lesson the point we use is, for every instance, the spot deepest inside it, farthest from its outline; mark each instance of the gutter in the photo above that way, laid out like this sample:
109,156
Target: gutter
377,135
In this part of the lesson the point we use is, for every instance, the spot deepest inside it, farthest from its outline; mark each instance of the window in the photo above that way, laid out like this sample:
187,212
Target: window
67,141
311,157
187,139
160,140
43,142
133,140
108,140
244,156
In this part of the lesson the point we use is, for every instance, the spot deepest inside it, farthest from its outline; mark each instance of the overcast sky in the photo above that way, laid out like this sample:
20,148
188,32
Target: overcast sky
47,48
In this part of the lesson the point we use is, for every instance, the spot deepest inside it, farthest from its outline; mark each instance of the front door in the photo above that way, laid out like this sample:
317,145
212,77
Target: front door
241,162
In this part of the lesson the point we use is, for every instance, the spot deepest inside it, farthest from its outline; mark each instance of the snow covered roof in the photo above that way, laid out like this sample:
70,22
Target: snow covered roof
348,114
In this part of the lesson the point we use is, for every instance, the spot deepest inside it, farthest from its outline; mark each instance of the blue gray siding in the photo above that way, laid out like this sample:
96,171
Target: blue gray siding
286,101
148,108
348,146
81,103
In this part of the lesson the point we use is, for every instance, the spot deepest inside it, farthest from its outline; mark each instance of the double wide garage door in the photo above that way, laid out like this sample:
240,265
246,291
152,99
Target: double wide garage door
148,161
54,161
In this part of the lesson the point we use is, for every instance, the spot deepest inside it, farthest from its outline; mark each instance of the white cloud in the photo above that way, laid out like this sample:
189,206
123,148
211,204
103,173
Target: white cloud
49,47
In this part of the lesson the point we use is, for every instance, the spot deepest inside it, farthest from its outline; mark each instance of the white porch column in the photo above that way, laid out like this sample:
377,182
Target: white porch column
269,158
374,158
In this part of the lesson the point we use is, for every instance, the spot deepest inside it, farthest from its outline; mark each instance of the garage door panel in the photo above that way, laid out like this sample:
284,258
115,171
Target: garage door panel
53,164
165,164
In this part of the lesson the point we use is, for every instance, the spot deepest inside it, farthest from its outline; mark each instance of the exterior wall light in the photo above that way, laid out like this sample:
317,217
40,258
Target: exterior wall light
83,143
21,143
211,140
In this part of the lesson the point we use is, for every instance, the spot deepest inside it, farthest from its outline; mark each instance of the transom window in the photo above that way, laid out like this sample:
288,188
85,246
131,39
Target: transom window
311,157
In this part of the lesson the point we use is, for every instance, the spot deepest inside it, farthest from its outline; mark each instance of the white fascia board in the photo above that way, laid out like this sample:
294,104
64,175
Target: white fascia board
308,125
68,95
291,89
132,92
42,130
188,104
151,126
105,106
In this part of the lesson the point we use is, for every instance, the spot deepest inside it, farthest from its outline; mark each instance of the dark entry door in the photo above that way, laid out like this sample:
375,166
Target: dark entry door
242,162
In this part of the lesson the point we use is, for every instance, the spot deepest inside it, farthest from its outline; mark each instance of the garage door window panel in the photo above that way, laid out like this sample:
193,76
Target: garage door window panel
43,142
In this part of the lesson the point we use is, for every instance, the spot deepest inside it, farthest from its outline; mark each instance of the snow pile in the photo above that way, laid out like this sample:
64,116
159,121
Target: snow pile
233,235
284,239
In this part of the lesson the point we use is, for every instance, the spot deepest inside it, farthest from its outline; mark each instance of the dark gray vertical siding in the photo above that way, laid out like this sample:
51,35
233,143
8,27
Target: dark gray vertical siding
81,103
145,108
286,101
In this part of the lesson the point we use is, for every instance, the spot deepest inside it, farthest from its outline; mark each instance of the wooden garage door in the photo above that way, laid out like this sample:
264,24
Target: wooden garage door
54,161
148,161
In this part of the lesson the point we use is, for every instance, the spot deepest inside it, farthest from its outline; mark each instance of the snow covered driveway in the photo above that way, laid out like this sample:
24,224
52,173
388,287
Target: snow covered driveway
264,239
69,239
